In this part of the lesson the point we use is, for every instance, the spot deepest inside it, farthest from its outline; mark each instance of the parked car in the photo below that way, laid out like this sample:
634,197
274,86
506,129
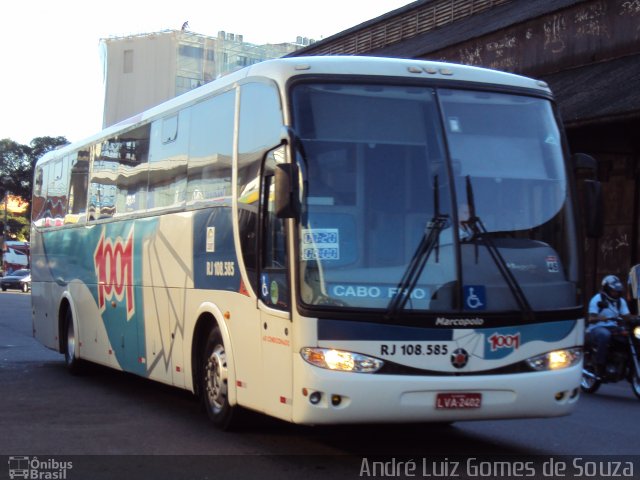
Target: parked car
18,280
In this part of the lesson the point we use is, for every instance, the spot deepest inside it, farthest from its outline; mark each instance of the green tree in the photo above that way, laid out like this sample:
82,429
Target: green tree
17,163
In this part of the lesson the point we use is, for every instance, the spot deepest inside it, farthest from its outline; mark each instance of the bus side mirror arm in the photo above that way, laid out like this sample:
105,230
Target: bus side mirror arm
287,191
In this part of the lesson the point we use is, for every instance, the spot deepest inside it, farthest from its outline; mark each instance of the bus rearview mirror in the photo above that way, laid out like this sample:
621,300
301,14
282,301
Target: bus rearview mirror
287,203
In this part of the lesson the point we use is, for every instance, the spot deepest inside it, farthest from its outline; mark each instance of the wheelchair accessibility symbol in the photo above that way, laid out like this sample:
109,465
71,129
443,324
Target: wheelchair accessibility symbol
475,297
265,286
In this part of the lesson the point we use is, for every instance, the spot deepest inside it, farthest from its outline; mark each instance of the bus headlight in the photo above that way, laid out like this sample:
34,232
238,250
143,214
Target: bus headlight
636,332
556,360
340,360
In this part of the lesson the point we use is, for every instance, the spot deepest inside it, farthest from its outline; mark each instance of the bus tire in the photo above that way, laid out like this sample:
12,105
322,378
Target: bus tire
213,382
73,363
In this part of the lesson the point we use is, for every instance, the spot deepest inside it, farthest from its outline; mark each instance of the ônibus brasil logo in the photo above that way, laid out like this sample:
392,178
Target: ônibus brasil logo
113,261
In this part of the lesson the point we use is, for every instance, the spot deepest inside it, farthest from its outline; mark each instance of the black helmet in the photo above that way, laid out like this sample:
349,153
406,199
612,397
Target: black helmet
611,284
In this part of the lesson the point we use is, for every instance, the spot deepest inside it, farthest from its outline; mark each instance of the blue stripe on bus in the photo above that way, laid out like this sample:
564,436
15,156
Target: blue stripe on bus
499,342
347,330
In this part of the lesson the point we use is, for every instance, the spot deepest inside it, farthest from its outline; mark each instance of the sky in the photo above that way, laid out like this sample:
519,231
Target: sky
51,78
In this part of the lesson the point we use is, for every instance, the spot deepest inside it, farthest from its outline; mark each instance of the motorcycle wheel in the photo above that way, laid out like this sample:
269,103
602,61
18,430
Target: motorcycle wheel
589,383
635,384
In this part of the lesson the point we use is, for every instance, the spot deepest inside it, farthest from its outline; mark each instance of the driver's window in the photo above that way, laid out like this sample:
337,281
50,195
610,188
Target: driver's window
274,285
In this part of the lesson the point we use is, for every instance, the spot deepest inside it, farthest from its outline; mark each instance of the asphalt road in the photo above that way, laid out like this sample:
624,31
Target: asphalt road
115,425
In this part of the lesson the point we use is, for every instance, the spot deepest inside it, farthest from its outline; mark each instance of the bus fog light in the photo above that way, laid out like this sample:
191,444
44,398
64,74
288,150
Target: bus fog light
556,360
340,360
336,400
315,398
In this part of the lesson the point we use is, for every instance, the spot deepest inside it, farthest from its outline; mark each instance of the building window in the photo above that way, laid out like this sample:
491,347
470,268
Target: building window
128,61
190,51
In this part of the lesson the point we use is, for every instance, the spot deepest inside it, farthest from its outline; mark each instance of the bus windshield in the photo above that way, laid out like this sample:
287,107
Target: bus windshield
384,166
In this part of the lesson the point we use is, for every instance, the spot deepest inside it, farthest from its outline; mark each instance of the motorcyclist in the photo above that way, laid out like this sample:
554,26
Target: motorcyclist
605,309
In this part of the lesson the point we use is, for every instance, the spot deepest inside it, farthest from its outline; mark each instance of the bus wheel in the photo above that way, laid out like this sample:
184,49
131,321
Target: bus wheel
74,364
214,388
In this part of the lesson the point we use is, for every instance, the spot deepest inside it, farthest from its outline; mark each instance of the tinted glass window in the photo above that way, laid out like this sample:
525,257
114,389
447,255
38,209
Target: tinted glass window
78,187
260,127
211,150
104,173
168,161
119,174
39,195
57,189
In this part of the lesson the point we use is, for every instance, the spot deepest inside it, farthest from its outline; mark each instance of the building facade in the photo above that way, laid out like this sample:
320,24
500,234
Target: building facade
589,53
141,71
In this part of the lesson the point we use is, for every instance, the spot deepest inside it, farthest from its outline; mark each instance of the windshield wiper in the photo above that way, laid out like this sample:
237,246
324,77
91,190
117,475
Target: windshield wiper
429,242
479,231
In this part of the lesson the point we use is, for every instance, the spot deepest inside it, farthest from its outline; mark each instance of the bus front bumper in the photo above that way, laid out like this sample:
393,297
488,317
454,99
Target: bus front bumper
328,397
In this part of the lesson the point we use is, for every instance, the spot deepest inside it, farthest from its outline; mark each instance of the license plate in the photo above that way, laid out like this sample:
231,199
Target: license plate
452,401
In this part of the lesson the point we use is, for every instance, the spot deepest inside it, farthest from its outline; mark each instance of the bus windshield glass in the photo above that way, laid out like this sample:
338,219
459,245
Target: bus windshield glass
383,166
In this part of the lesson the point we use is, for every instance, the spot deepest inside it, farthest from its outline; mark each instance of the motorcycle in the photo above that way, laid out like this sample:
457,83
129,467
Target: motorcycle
623,362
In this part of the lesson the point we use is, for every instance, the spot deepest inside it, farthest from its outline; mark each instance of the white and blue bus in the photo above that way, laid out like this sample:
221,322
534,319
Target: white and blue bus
324,240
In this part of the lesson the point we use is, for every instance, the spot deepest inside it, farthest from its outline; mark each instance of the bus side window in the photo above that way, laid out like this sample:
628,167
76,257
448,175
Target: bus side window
102,186
56,202
78,187
118,175
133,171
211,150
168,161
38,209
